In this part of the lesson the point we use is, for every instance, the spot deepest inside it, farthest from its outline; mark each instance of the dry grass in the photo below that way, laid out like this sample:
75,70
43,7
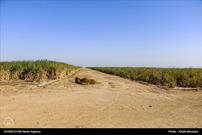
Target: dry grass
37,71
170,77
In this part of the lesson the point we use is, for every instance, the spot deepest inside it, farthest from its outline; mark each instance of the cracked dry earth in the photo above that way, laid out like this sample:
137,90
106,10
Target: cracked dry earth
112,102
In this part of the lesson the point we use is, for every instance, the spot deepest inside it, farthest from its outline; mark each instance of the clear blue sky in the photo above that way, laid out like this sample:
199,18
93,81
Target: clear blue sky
158,33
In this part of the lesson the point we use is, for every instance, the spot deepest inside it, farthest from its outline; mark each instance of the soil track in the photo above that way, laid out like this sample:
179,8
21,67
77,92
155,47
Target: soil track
112,102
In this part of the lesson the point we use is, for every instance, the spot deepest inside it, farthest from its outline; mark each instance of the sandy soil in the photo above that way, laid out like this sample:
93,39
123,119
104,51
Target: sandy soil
112,102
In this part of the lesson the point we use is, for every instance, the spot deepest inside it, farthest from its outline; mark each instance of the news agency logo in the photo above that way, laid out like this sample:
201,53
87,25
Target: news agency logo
8,121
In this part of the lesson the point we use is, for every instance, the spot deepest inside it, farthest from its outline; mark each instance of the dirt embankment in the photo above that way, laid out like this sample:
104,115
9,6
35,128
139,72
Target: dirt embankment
111,102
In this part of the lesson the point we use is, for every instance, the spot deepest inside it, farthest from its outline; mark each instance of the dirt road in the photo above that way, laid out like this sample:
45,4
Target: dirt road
112,102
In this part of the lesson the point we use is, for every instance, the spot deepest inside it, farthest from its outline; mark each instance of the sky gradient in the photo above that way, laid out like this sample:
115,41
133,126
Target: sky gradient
161,33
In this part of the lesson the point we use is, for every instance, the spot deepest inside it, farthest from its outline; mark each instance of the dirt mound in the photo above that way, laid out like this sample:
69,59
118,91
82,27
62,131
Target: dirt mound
84,81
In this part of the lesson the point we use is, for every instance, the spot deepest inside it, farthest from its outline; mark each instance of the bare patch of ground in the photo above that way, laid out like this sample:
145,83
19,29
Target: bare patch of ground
112,102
